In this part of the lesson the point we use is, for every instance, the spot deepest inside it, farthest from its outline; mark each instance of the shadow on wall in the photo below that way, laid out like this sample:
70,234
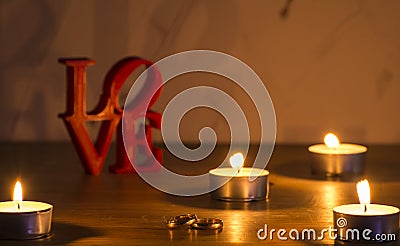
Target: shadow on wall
28,30
170,24
33,35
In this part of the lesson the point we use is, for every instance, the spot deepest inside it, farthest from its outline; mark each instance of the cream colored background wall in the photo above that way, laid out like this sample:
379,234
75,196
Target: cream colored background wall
329,65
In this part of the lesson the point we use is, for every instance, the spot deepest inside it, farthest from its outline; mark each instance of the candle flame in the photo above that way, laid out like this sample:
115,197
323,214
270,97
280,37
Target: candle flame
363,191
237,160
331,140
17,192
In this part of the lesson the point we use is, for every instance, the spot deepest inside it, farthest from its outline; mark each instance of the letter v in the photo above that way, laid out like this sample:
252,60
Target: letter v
108,110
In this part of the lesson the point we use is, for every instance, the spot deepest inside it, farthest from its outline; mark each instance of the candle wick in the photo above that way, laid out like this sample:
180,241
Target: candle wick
237,170
365,208
18,205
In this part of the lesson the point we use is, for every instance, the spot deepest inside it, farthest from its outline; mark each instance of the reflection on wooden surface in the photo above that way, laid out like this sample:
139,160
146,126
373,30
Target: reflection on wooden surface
122,209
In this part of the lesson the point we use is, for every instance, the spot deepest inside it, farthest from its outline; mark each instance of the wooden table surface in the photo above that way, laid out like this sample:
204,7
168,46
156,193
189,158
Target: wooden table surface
114,209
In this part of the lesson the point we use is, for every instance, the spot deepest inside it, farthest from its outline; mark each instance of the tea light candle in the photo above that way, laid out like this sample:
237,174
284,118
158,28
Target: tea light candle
366,222
234,182
24,219
337,159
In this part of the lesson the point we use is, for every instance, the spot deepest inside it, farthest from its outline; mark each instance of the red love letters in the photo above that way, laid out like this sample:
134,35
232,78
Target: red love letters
109,112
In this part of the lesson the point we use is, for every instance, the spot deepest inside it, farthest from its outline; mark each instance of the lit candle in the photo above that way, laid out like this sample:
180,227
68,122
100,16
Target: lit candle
337,159
365,221
24,219
234,184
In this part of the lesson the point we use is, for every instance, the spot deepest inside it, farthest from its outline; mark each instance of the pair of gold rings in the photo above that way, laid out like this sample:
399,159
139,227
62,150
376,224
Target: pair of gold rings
191,221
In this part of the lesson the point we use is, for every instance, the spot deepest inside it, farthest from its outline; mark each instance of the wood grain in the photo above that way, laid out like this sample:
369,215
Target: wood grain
114,209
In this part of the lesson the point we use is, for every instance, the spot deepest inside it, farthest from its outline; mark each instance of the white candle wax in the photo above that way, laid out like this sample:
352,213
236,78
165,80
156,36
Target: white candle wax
335,159
25,207
342,149
243,172
372,209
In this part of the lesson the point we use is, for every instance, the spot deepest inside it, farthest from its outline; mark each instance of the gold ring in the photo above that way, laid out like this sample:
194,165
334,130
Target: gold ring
181,220
208,224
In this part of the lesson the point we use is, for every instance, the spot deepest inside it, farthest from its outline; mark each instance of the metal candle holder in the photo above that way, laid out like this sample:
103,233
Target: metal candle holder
26,224
365,228
339,163
239,188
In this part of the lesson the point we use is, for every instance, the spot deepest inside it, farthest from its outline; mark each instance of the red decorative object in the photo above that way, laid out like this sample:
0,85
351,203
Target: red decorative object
108,110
